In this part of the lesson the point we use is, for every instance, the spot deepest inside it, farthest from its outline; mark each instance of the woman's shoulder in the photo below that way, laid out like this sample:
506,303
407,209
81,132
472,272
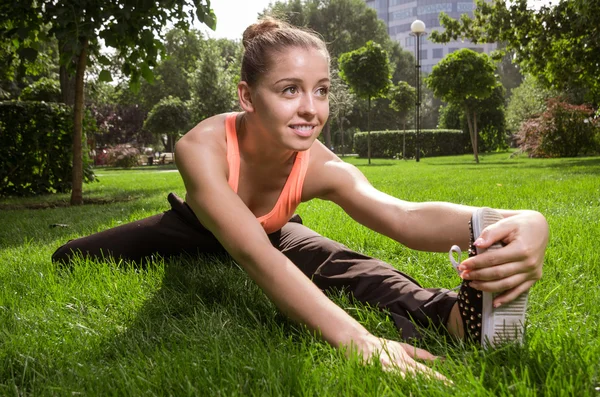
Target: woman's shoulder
326,173
208,130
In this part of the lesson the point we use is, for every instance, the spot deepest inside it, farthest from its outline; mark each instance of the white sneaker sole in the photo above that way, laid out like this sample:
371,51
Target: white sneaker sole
506,323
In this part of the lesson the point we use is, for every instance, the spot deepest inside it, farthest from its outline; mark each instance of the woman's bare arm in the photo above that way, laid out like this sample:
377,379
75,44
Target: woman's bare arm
436,226
221,211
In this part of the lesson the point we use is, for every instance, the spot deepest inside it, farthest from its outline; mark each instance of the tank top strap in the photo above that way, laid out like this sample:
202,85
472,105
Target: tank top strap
233,151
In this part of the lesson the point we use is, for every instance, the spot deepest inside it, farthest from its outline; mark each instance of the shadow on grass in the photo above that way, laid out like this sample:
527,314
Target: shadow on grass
53,221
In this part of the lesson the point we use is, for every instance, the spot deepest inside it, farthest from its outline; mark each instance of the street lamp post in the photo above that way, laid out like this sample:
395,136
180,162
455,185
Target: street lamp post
418,30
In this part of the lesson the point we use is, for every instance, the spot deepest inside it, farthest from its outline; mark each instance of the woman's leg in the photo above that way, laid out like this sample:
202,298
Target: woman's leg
332,265
176,231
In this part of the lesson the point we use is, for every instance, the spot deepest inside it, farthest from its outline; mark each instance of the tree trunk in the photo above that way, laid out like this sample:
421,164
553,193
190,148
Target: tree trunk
340,122
475,136
369,129
404,139
327,134
77,188
67,81
472,132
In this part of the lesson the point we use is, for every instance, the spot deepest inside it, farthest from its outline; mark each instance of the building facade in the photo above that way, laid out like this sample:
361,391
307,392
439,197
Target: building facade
398,15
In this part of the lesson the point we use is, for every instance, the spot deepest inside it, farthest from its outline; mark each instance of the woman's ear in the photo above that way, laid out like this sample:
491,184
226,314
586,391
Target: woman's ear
245,97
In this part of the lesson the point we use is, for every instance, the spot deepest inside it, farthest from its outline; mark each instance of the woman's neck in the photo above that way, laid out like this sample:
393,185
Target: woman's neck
256,147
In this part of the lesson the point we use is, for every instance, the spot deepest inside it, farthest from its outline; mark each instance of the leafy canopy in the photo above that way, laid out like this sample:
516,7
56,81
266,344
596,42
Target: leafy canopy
463,77
402,98
131,27
366,70
170,116
559,45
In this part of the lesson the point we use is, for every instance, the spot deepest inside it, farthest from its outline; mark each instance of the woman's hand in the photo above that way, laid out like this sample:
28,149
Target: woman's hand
397,356
514,268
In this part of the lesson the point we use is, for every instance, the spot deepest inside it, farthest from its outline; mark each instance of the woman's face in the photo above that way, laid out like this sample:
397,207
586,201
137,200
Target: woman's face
291,101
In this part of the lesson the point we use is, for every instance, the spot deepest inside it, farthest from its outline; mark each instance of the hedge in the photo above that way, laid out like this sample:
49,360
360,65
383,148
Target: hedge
36,148
388,144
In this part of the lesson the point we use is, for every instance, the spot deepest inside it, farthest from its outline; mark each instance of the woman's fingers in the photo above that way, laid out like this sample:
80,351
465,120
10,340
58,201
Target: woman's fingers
512,294
415,352
510,253
502,284
494,272
406,365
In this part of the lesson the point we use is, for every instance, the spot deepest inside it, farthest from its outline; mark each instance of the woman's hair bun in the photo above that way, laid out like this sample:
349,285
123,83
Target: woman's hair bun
263,26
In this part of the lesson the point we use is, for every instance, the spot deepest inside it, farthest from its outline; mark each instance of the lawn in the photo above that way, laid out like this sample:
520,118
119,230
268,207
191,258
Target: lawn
201,327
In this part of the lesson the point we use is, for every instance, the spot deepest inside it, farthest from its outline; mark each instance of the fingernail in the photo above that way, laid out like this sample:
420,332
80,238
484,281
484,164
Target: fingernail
497,305
462,267
478,241
465,275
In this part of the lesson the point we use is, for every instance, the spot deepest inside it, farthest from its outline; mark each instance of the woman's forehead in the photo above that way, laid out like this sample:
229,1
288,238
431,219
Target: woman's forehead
299,61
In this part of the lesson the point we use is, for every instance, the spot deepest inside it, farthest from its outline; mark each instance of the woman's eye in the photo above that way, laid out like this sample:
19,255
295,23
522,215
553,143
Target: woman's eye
291,90
323,91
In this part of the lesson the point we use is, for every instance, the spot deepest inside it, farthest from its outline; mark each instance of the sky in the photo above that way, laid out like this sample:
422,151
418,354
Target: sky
234,16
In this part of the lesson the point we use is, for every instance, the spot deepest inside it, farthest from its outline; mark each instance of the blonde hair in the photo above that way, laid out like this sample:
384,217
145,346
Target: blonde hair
270,35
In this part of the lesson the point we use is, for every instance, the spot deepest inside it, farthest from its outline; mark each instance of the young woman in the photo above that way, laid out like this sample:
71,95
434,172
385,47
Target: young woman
245,173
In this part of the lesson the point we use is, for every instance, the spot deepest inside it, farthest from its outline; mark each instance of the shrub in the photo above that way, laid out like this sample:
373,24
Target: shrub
124,156
36,148
388,144
563,130
45,89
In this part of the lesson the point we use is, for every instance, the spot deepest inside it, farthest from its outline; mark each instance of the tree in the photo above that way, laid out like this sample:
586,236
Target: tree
559,44
341,104
464,77
527,101
128,26
171,117
212,83
182,52
403,98
369,61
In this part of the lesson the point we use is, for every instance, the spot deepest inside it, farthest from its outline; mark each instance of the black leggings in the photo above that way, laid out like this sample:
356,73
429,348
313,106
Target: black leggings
328,263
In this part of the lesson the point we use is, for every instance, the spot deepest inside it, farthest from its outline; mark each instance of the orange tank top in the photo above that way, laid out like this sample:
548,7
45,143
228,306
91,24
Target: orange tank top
290,196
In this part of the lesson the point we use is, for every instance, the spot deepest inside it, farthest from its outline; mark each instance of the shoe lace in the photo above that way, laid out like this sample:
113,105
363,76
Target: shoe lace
455,249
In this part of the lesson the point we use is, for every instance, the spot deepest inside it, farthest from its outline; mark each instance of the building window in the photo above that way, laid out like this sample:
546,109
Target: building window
476,49
402,14
400,2
434,8
451,50
410,41
438,53
423,54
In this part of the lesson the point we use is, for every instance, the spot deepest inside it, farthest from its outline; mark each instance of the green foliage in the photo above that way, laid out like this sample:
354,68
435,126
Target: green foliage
128,26
182,52
491,118
341,105
452,117
389,144
527,101
557,44
465,78
170,116
370,60
213,83
402,98
35,147
563,130
45,89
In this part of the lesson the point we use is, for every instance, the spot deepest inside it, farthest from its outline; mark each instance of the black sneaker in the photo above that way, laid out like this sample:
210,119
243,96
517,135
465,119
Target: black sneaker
482,322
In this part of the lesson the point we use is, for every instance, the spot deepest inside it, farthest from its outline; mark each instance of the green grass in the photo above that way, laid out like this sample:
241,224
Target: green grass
201,327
